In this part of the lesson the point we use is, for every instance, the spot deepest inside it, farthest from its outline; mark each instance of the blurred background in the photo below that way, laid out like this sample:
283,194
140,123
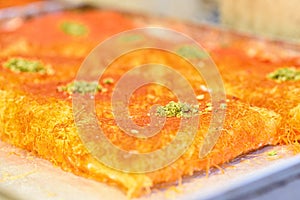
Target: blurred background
277,19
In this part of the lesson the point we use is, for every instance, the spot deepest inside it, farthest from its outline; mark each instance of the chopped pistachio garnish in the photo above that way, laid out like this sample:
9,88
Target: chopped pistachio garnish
272,153
81,87
285,74
73,28
177,109
108,81
24,65
191,52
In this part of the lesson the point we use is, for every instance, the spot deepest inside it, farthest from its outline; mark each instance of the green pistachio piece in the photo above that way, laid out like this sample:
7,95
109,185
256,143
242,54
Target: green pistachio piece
25,65
74,28
177,109
81,87
285,74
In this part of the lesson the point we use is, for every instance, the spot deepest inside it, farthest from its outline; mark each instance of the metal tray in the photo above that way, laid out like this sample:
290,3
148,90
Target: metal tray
253,176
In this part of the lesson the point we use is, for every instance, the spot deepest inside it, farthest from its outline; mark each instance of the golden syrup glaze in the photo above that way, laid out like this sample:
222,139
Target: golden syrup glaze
37,117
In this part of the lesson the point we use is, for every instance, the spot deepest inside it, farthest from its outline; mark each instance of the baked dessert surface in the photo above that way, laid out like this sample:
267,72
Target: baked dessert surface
38,117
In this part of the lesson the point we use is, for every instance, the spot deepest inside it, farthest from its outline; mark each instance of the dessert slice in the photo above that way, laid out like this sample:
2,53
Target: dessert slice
265,77
36,114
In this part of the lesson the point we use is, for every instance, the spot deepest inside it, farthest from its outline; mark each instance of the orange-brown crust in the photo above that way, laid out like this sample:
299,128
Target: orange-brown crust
37,117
